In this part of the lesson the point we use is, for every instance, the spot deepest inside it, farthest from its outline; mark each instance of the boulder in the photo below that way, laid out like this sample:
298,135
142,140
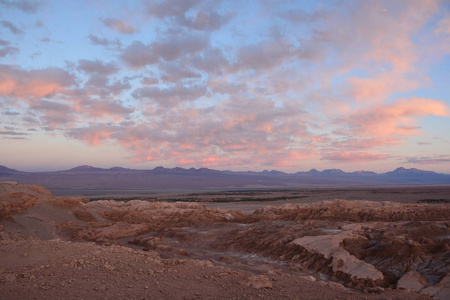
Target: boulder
440,290
413,281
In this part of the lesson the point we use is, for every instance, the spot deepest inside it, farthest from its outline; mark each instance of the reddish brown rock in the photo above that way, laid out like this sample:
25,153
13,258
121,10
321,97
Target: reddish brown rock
440,290
258,282
413,281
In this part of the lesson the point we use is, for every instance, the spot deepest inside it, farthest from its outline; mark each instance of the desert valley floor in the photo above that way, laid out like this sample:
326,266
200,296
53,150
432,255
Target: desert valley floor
321,243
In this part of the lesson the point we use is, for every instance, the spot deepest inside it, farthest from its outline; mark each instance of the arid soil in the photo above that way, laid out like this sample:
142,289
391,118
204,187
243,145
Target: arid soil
73,248
248,200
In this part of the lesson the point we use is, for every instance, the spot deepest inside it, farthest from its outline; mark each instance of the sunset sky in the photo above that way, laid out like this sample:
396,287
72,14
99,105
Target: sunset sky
239,85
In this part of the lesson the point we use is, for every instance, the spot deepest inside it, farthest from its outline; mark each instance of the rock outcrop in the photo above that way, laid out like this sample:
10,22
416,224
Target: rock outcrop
356,211
413,281
370,246
341,259
440,290
17,198
28,189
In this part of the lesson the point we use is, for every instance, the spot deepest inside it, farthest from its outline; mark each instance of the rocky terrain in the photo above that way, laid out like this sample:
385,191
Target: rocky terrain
74,248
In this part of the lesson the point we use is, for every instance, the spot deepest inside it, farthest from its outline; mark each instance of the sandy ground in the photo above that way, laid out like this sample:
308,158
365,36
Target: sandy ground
305,247
39,269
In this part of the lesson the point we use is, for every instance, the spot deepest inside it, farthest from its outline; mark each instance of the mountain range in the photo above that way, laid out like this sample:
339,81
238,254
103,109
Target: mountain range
160,178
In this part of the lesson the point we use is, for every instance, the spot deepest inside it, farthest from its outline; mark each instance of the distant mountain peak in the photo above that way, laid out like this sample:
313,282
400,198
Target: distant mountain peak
272,172
159,168
6,169
183,171
402,170
89,177
364,173
333,171
119,169
85,168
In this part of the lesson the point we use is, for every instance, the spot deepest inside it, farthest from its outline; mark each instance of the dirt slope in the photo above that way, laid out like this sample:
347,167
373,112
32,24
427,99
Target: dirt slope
39,269
380,250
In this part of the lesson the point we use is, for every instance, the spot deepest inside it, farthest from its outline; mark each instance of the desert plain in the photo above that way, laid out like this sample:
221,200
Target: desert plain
310,243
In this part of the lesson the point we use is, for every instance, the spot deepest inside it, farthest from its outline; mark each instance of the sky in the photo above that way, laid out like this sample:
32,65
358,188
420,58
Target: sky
229,85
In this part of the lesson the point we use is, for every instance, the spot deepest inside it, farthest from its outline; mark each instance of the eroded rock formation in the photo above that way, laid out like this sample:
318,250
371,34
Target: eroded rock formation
370,246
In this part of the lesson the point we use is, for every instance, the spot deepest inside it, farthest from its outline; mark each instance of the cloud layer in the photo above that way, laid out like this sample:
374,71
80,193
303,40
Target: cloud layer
203,83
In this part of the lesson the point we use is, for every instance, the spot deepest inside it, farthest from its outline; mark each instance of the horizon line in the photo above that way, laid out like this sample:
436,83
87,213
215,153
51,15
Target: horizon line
220,170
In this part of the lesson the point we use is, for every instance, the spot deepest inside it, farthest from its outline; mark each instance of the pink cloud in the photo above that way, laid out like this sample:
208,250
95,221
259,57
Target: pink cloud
205,20
51,120
13,28
429,160
49,106
56,99
327,90
244,123
170,96
170,8
36,88
149,81
380,86
265,55
95,82
177,73
211,60
374,39
289,158
28,6
118,25
192,14
443,26
355,156
99,108
94,135
8,51
96,66
226,88
137,55
169,47
207,136
207,160
172,46
397,118
109,44
35,83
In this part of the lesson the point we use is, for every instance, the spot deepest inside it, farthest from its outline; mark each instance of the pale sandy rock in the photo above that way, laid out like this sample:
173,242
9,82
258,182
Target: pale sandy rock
29,189
342,260
18,198
259,282
413,281
137,211
310,278
145,205
335,285
205,263
440,290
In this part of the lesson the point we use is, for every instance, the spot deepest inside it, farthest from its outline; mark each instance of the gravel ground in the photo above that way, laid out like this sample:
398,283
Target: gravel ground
37,269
